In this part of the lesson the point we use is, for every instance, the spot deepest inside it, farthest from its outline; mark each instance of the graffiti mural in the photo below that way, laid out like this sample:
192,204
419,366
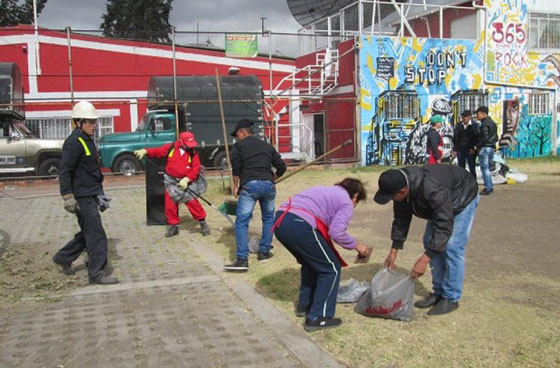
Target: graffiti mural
404,81
510,60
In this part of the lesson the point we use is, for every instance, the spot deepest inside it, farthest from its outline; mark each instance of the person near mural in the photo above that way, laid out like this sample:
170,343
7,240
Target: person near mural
464,141
182,171
486,144
81,188
434,146
253,180
446,196
307,224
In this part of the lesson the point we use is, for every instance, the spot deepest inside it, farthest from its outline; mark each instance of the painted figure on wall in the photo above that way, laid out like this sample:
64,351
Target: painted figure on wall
510,123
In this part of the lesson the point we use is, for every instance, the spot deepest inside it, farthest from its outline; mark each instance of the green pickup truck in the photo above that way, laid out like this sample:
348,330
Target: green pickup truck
198,112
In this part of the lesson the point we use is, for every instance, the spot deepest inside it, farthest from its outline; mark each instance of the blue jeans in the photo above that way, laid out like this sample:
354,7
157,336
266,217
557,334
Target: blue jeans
263,191
485,157
448,267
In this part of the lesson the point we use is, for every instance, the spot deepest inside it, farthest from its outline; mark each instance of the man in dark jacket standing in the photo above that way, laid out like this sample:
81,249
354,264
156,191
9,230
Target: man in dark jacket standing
253,180
80,186
447,197
486,144
464,141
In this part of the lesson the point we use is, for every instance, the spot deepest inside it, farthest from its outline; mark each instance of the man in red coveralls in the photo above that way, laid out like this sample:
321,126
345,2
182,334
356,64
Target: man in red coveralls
182,168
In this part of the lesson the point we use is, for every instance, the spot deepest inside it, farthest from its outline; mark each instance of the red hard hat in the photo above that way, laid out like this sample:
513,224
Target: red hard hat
187,139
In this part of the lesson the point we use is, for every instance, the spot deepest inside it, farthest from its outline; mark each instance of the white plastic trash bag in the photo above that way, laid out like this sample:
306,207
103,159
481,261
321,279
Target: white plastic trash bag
351,291
391,295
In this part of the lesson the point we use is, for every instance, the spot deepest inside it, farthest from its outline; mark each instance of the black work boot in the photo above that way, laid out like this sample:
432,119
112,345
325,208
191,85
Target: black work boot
444,306
430,300
264,256
105,280
66,269
240,265
204,228
172,231
321,323
301,310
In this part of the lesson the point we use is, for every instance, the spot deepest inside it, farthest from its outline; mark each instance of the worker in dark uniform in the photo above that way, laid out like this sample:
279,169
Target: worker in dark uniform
80,186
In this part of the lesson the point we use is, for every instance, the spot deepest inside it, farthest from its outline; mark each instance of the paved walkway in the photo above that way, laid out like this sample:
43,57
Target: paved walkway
173,308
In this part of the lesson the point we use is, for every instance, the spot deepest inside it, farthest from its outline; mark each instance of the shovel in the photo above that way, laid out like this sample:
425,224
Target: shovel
211,205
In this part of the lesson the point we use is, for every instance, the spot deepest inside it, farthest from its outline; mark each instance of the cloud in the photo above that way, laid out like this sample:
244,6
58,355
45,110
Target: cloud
214,16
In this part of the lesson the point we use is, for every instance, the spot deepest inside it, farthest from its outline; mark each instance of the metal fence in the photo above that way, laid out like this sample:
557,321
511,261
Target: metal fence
381,18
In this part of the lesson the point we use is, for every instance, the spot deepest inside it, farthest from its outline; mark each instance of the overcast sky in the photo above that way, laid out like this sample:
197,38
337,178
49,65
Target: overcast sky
216,15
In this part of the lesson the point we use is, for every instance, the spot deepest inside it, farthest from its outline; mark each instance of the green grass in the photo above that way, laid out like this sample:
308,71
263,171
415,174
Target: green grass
501,322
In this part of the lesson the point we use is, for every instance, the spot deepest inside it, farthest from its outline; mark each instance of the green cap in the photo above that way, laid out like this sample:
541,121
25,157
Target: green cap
437,119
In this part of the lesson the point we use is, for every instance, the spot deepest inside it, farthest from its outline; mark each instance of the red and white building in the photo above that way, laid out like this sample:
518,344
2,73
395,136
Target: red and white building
112,73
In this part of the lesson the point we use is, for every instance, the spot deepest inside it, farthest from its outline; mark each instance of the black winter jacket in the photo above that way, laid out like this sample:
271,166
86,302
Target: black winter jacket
488,133
252,159
80,169
437,193
464,139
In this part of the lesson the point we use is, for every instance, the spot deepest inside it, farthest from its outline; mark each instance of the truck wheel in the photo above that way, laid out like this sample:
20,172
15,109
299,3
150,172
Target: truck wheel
220,161
127,164
49,167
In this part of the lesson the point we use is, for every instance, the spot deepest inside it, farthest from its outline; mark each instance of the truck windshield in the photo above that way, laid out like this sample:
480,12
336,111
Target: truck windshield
22,129
142,123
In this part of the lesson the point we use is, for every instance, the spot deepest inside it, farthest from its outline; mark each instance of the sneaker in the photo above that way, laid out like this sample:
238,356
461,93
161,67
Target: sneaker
204,228
264,256
240,265
105,280
486,191
428,302
301,310
444,306
321,323
64,268
172,231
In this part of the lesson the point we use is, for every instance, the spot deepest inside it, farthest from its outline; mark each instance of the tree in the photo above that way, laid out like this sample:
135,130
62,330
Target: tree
13,14
138,19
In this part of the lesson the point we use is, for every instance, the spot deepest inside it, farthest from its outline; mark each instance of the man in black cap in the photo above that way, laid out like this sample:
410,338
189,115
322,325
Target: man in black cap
253,180
464,140
447,197
486,144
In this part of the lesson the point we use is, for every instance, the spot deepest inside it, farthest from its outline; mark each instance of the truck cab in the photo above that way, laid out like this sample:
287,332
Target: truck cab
117,149
21,151
198,111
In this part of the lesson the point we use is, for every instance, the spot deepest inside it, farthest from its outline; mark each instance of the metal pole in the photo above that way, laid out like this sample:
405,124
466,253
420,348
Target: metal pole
70,66
441,22
373,18
219,88
175,83
197,29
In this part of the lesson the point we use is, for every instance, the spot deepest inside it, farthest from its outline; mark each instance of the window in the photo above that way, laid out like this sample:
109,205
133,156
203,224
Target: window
60,127
544,31
539,103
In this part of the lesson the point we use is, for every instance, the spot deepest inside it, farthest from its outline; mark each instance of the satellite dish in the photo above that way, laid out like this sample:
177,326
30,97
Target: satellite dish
309,11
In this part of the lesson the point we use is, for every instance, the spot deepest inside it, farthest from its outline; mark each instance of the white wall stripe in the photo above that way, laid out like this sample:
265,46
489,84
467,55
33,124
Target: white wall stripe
133,115
50,113
145,51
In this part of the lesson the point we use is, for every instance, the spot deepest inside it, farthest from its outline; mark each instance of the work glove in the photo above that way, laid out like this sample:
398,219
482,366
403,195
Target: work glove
140,153
184,183
103,202
70,203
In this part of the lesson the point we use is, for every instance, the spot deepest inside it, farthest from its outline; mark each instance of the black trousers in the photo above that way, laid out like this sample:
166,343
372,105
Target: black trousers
465,156
320,269
91,237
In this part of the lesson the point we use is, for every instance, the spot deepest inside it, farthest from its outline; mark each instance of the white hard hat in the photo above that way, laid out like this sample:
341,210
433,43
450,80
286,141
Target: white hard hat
84,110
